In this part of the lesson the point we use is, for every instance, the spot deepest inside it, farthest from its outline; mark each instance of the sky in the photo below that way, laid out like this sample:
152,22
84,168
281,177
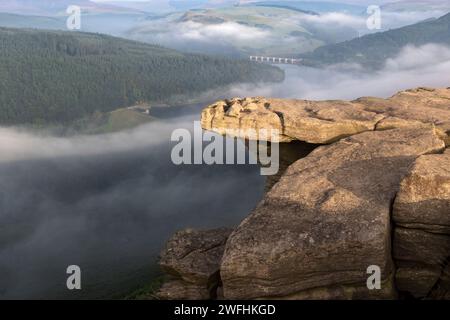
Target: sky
343,1
367,2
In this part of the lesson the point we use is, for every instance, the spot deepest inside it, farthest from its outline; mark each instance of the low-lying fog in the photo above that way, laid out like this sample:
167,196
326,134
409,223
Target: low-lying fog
427,65
107,203
233,38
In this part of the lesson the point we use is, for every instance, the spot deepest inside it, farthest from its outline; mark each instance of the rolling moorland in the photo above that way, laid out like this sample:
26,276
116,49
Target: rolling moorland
276,28
373,50
242,31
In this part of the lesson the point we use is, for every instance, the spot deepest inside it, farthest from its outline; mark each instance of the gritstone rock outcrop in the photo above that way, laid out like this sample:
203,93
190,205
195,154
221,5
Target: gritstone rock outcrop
377,192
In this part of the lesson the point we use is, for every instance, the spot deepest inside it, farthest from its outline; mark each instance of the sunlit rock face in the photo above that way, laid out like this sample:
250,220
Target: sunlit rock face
309,121
376,193
323,122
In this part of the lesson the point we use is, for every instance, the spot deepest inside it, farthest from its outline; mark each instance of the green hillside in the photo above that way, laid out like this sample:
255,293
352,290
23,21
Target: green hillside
372,50
57,77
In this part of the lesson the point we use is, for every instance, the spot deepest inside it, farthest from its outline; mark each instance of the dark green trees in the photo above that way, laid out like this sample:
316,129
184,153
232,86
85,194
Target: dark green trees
56,77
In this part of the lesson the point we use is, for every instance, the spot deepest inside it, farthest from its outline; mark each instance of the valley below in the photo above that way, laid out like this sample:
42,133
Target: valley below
106,203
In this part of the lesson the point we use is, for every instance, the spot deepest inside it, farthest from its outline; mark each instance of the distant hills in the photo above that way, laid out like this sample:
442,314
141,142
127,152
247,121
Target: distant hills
416,5
317,7
57,77
55,7
232,28
373,50
242,31
58,7
12,20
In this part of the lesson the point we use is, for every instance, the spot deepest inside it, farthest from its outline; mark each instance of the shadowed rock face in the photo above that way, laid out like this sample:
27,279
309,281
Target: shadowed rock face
378,194
424,198
324,122
441,290
289,153
192,258
422,236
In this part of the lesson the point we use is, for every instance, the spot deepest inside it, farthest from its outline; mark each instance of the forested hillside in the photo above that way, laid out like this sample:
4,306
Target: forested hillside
373,50
56,77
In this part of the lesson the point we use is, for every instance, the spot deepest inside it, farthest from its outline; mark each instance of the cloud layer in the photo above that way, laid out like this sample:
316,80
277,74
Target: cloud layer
106,203
305,32
427,65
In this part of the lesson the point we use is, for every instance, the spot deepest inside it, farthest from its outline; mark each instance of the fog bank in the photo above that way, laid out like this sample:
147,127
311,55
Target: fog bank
106,203
428,65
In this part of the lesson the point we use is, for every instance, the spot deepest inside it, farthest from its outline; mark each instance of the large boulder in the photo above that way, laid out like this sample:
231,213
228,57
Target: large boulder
192,259
328,216
421,213
176,289
418,282
423,201
323,122
421,247
442,288
308,121
326,221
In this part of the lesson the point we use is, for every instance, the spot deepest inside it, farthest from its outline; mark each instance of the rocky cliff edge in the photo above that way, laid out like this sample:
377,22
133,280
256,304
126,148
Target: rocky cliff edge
375,192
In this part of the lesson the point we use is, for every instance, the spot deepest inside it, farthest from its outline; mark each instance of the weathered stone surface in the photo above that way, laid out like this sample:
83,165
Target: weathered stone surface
326,220
192,258
417,281
344,292
420,256
327,217
309,121
289,153
324,122
421,212
194,255
182,290
423,201
229,117
442,288
421,247
425,105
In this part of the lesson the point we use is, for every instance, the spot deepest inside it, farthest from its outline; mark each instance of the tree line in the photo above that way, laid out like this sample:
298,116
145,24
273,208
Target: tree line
57,77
